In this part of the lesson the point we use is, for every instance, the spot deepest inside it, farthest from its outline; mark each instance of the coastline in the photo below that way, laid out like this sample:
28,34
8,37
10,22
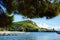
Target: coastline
18,32
10,32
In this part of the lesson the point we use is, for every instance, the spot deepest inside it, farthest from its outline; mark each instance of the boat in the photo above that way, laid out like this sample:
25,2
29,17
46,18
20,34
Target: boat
58,32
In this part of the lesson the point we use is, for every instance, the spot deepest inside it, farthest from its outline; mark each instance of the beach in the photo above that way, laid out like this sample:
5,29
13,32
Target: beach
10,32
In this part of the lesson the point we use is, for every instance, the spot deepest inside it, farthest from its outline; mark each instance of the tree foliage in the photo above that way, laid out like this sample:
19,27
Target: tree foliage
34,8
29,8
5,20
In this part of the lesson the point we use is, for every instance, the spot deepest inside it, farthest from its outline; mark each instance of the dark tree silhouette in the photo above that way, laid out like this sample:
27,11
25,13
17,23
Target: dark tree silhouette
31,8
5,18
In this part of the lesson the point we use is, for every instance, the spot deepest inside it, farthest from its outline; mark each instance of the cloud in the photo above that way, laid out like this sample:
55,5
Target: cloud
44,25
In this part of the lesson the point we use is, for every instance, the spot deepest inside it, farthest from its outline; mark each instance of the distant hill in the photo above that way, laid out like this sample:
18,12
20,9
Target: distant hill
26,25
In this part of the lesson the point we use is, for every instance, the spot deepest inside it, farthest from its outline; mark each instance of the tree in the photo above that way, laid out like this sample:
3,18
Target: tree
33,8
5,18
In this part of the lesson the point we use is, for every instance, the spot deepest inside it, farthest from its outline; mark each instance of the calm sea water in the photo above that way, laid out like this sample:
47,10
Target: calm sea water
32,36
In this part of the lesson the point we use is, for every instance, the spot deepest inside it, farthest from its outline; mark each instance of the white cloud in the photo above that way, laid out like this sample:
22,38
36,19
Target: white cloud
44,25
56,28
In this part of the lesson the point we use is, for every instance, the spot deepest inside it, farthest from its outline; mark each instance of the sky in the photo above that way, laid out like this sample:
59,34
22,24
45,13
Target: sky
42,22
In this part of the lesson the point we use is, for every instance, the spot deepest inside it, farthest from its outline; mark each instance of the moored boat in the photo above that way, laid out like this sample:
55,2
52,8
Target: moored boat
58,32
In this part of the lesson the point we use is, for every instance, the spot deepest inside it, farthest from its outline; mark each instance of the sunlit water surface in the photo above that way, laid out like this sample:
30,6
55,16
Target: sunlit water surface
32,36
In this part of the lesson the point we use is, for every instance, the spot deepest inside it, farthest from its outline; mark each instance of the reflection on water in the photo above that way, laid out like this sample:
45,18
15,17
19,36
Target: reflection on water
32,36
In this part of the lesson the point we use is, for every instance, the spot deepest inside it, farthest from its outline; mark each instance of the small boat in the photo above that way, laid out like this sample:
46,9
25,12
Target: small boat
58,32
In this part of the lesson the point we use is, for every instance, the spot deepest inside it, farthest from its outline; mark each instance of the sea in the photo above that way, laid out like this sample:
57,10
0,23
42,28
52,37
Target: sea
31,36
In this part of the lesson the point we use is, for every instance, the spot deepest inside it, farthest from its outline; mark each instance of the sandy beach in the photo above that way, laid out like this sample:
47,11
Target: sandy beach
10,32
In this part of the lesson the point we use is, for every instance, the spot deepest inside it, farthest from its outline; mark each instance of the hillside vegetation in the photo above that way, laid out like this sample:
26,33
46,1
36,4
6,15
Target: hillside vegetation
26,25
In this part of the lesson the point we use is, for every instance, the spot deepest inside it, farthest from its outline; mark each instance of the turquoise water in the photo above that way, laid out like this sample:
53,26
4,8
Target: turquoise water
32,36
